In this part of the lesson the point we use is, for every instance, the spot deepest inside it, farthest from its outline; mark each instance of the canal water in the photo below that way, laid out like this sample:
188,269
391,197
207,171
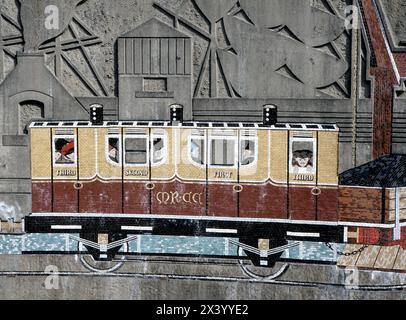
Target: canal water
31,243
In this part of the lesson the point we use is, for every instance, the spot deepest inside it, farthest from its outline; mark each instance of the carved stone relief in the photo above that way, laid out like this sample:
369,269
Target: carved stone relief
87,67
82,52
285,39
33,16
394,11
29,110
155,71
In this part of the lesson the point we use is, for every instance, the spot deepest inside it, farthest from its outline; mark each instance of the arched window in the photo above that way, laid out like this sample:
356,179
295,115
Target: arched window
29,110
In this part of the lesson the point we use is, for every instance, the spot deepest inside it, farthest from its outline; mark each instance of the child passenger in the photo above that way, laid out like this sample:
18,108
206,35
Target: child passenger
303,159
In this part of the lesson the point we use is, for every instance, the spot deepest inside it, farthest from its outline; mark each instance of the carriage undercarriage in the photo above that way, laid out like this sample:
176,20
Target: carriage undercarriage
263,242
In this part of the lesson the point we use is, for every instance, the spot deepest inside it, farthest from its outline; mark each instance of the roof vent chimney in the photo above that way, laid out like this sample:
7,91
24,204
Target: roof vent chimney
176,111
270,115
96,114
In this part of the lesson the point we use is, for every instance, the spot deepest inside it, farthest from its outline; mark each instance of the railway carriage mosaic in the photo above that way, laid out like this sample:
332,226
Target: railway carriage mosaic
262,127
276,182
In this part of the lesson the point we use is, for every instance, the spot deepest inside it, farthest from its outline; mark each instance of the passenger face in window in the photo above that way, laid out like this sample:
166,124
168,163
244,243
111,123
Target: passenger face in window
113,150
248,153
303,159
158,150
64,151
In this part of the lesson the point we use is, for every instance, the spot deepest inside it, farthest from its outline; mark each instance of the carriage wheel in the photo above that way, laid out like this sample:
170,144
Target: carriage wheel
91,264
101,262
270,260
261,275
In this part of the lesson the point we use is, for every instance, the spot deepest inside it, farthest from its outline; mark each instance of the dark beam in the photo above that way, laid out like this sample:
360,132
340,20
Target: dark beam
71,44
185,22
1,52
11,21
10,53
90,63
11,41
80,75
58,59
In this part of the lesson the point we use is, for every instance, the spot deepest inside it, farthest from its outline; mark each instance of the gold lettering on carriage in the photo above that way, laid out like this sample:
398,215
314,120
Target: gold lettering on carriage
174,197
223,175
304,177
65,173
136,173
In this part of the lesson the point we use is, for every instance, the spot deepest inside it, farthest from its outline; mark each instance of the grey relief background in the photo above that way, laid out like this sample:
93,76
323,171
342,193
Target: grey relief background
223,60
102,22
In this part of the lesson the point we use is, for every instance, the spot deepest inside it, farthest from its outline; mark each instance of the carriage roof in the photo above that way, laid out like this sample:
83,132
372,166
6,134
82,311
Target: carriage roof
185,125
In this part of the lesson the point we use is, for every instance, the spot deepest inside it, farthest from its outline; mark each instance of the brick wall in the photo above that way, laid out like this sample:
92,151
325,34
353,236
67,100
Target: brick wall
400,58
382,70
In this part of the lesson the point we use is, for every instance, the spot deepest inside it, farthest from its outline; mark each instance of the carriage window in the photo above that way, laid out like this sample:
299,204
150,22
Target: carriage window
113,151
64,150
136,150
303,156
223,152
248,149
197,150
158,150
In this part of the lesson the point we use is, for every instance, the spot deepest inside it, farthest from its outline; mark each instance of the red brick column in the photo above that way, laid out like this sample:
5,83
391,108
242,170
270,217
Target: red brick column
385,79
400,58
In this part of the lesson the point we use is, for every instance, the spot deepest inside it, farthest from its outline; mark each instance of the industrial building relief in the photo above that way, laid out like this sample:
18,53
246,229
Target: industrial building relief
219,31
268,50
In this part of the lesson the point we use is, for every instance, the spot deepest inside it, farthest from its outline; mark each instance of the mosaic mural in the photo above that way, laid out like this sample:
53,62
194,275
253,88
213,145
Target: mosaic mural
268,126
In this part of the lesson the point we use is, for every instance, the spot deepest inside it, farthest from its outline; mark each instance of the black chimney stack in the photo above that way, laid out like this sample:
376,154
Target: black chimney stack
176,111
96,114
270,115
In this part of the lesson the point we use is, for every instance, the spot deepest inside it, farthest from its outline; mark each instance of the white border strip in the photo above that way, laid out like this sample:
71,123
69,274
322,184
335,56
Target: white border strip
303,234
136,228
345,234
177,217
66,227
205,218
136,124
225,231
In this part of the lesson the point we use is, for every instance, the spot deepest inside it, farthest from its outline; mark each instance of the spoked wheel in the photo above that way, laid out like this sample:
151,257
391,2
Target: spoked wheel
91,264
89,240
273,255
102,251
264,255
261,273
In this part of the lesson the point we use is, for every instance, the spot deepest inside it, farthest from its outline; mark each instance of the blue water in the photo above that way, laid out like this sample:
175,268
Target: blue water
307,251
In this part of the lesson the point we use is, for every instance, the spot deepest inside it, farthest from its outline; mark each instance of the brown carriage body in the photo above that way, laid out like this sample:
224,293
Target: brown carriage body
268,187
196,175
